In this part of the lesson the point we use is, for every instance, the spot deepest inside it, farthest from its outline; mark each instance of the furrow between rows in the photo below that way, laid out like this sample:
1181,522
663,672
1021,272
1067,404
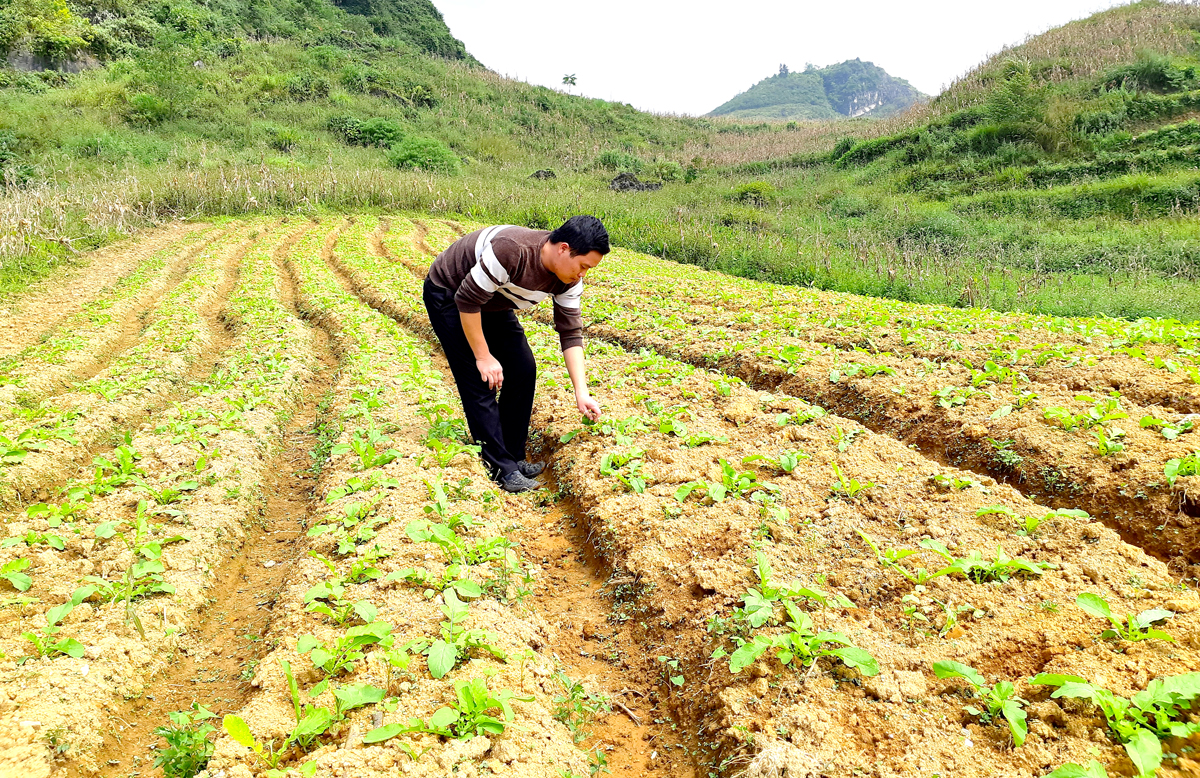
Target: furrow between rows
144,536
712,495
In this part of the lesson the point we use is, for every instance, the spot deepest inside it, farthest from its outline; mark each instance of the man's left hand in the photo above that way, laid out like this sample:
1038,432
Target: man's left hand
587,406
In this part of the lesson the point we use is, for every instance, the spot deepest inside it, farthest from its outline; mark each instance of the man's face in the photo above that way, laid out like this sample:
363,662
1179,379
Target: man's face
570,269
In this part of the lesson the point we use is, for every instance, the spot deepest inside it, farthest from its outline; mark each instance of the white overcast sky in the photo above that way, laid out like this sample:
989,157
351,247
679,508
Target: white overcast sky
689,57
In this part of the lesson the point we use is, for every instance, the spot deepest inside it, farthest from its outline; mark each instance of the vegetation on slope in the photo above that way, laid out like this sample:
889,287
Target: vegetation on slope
1069,195
850,88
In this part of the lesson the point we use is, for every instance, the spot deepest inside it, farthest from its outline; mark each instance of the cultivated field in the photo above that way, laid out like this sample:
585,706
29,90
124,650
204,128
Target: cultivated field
813,534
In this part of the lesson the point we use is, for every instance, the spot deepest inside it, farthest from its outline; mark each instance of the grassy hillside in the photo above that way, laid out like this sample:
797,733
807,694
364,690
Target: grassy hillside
1066,195
850,88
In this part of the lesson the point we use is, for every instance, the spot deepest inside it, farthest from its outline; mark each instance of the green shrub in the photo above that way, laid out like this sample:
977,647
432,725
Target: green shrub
146,110
285,139
426,154
619,160
754,193
665,171
1100,122
346,128
380,132
1155,72
306,86
849,206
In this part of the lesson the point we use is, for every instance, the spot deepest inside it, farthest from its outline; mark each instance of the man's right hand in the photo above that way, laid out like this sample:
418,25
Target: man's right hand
490,371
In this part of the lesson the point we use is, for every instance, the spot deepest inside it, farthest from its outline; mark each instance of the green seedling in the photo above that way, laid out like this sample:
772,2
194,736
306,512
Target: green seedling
144,576
365,483
733,482
953,482
1133,628
165,495
759,604
440,506
1029,525
802,416
1185,466
1169,430
999,701
14,450
47,643
347,650
1140,722
844,439
370,447
979,570
32,538
577,708
456,547
626,468
891,558
312,721
956,396
1093,769
444,424
786,462
450,579
622,430
55,514
119,470
457,642
849,488
188,748
1108,443
700,438
13,571
236,728
444,451
468,716
801,645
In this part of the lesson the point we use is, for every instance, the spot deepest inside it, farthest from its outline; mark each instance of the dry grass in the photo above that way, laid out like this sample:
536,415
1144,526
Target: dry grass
1087,47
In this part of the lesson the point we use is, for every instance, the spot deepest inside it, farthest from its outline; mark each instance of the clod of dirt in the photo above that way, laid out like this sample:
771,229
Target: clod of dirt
780,759
628,182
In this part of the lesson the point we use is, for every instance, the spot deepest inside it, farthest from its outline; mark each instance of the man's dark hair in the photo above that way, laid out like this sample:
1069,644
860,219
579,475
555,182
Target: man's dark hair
584,234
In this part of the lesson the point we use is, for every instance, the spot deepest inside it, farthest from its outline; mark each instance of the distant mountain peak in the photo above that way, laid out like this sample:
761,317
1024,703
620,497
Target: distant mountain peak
845,90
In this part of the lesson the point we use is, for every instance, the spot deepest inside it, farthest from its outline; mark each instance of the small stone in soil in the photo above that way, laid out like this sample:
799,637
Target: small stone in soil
269,563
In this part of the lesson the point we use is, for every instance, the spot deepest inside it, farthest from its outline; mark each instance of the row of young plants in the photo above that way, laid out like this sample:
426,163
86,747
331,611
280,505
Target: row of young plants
118,560
659,473
928,326
52,360
1094,448
1002,561
398,636
1156,362
42,439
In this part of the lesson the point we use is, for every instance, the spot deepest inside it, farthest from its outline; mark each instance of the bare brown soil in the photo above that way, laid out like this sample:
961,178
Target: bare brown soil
28,317
631,592
230,636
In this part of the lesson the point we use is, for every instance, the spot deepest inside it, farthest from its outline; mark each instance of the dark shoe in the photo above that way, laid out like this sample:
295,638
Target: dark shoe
516,482
530,469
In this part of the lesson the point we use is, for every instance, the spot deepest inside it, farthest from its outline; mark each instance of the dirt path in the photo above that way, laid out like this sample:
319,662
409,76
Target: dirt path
24,319
230,635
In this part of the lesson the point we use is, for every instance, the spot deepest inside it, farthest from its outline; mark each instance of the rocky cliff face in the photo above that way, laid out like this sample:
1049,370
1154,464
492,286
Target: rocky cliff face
850,89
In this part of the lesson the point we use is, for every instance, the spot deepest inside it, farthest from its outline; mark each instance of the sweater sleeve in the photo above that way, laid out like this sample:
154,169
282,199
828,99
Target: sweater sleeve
489,273
568,316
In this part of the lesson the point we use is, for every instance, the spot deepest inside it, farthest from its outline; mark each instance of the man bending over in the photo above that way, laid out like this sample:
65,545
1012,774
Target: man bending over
472,292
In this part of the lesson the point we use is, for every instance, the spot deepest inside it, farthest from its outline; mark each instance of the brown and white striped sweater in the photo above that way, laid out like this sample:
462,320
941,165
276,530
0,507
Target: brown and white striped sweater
499,269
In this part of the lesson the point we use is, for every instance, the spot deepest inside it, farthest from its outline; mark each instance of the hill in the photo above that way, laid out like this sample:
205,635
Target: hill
848,89
57,35
1065,189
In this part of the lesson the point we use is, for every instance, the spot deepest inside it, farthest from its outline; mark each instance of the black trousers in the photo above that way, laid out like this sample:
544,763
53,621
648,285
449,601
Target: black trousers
499,424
